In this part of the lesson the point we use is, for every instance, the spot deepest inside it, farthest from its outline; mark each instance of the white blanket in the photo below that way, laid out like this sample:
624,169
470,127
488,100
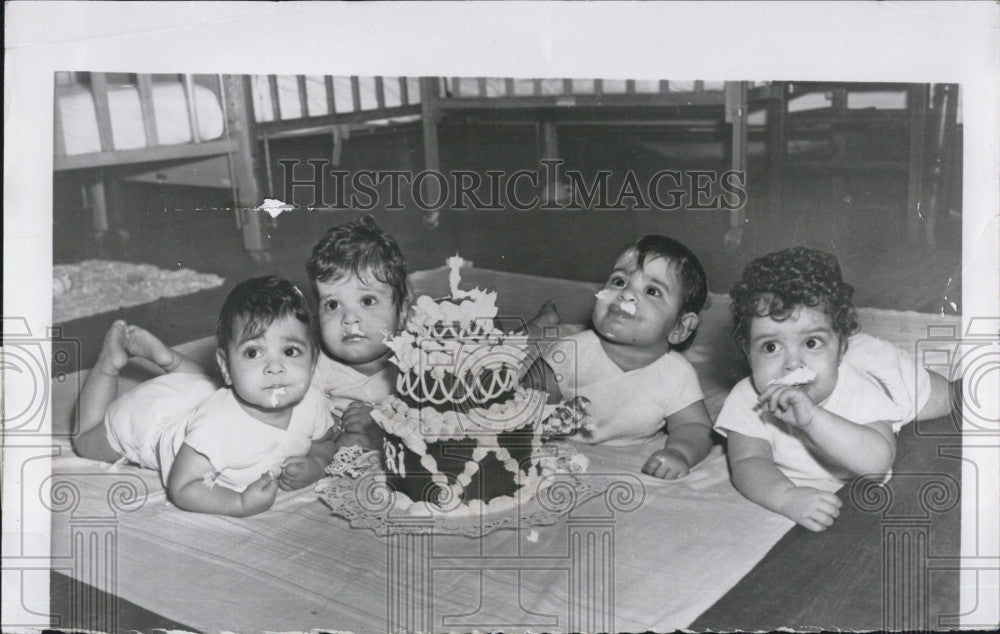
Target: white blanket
653,556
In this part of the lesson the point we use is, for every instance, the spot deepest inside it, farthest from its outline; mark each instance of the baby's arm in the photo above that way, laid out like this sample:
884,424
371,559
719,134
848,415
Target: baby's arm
863,449
359,428
688,442
188,490
757,477
301,471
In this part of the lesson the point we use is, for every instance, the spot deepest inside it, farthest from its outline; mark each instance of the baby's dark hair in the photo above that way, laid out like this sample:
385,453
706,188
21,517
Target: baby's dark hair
261,301
775,284
694,286
360,248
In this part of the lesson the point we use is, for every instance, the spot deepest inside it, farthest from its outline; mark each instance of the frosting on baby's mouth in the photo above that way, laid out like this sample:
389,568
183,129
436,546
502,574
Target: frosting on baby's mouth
627,305
798,376
356,330
276,395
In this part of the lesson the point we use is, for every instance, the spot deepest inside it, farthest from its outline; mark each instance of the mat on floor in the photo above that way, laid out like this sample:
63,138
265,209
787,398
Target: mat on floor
99,286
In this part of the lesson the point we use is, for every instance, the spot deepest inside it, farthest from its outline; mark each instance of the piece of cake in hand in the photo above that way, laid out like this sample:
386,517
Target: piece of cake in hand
798,376
462,434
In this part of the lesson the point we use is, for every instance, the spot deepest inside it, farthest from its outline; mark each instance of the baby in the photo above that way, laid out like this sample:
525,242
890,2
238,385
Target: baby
629,366
807,420
217,450
358,276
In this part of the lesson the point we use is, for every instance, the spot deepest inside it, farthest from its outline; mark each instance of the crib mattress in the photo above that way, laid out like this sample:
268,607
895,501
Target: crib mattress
78,114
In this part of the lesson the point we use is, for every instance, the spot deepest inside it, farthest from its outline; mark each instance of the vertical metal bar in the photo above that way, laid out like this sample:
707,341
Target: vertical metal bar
99,92
916,102
664,86
737,108
776,146
356,92
237,93
330,107
272,83
404,91
192,111
598,86
536,87
630,86
481,84
944,120
300,81
59,138
508,86
144,83
429,97
379,92
567,86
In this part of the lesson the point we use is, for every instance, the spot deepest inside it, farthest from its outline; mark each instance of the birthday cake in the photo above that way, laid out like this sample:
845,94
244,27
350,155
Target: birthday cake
462,435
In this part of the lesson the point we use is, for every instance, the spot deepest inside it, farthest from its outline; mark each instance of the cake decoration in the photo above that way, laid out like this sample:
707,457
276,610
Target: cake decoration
462,435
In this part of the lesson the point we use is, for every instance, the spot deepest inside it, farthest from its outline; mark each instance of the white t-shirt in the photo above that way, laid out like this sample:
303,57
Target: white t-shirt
342,384
242,448
887,391
148,424
628,408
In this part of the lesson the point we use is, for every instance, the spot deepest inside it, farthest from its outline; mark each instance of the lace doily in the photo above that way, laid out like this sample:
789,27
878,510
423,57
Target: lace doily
366,502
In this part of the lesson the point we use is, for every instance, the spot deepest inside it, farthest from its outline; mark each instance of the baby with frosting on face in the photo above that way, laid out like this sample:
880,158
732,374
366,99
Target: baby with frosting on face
629,366
822,404
218,450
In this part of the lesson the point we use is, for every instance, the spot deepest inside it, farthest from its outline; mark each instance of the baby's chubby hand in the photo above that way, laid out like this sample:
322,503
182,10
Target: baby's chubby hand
299,472
260,495
789,403
668,464
357,427
812,508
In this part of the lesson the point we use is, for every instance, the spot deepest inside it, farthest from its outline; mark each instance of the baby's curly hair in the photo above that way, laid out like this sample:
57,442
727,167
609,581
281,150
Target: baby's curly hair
775,284
363,249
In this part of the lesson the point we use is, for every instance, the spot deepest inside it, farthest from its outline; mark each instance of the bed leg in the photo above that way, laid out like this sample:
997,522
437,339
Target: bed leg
254,235
101,196
95,196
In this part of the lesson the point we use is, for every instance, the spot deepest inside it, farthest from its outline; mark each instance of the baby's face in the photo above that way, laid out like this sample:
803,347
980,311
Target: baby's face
271,371
355,315
639,307
806,338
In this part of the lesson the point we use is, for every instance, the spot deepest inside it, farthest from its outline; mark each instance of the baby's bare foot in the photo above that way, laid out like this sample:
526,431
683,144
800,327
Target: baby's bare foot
113,356
139,342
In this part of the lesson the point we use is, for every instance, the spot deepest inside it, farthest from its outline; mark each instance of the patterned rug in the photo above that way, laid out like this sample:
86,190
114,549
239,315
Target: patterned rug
99,286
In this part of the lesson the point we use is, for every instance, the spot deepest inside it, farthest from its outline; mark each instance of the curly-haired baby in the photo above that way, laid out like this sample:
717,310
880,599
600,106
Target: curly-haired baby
807,419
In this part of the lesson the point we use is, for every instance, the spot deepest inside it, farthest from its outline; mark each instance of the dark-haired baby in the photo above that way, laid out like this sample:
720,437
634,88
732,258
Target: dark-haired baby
629,366
217,450
822,404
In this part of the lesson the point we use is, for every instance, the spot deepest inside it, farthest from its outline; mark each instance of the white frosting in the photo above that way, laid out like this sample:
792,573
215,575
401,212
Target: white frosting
798,376
451,352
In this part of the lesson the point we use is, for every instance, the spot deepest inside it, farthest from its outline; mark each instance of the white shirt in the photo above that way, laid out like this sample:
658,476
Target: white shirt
342,384
628,408
242,448
860,396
